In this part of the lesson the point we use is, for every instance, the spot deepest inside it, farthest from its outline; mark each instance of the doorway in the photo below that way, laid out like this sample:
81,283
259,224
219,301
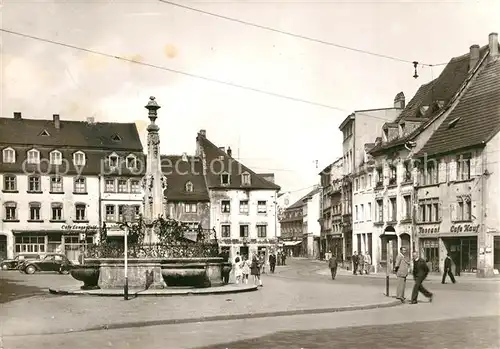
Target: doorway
430,249
496,252
463,252
244,251
3,247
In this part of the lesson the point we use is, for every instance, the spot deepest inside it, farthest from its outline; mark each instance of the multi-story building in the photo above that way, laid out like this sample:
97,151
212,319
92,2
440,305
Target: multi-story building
283,203
50,176
395,173
300,227
331,240
243,204
458,187
187,195
357,130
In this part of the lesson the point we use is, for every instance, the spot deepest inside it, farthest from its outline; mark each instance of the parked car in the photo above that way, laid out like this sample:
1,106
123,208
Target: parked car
12,264
54,262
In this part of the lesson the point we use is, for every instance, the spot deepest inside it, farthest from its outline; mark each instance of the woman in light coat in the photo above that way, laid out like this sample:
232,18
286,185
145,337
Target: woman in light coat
245,269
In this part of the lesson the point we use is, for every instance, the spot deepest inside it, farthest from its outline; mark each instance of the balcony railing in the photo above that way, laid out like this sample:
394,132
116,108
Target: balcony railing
392,181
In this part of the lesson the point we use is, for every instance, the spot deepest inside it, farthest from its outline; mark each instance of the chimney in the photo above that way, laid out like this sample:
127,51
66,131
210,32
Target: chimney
91,120
222,149
57,121
17,115
229,151
473,56
399,101
493,43
203,133
184,157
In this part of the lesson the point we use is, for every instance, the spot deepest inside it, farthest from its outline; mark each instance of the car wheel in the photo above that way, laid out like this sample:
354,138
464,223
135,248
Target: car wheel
30,270
5,267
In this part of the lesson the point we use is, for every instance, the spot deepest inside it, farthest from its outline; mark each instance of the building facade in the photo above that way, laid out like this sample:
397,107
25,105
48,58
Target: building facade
243,204
292,229
357,130
51,174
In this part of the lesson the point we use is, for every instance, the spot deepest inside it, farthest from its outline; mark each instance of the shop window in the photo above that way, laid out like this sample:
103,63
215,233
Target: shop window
30,244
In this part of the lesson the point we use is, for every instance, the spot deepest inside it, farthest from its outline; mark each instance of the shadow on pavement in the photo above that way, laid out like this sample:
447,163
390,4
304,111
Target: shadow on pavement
11,290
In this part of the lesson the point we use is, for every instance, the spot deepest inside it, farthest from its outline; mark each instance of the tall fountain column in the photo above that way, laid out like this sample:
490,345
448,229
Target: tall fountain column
154,182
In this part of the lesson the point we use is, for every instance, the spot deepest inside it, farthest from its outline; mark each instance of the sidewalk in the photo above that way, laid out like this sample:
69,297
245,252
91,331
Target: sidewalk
465,278
278,297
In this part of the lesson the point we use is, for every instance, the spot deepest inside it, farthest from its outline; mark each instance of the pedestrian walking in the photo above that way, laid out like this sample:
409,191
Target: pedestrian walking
278,258
283,261
354,263
255,271
361,263
368,263
237,268
245,269
447,269
332,264
272,262
262,262
420,272
402,270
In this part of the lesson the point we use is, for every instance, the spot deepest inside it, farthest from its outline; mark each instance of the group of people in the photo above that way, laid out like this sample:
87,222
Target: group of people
243,267
361,263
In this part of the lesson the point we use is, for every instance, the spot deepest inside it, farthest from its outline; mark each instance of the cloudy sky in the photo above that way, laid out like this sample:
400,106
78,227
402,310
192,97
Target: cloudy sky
269,134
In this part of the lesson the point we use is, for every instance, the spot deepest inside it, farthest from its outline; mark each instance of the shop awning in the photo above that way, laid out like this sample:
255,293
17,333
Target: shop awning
291,243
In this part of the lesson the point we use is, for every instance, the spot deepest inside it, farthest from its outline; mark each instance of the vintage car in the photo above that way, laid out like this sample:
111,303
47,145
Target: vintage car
54,262
12,264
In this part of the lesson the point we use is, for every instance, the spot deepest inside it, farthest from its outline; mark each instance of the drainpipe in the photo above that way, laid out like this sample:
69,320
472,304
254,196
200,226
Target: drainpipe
99,178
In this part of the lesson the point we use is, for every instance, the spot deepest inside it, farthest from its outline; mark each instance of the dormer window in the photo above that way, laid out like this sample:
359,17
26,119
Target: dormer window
402,128
224,179
116,138
33,156
79,158
9,156
56,157
189,187
245,178
113,160
44,133
131,162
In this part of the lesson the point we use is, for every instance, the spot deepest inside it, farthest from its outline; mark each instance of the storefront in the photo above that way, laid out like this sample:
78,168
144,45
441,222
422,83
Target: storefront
335,245
292,248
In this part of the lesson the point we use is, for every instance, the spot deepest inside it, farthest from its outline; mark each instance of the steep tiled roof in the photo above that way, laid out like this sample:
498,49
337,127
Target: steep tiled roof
299,203
443,88
71,134
219,161
178,173
476,117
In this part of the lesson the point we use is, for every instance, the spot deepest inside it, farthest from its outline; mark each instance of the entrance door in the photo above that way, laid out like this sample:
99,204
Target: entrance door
463,251
244,251
496,252
431,252
3,247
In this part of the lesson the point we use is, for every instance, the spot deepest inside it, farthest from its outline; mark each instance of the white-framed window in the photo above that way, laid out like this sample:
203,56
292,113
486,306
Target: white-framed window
393,209
225,179
244,206
243,230
369,212
57,211
380,210
261,206
463,211
361,212
225,206
407,208
35,209
80,185
9,183
190,208
34,184
225,230
261,230
131,162
121,211
110,213
80,212
356,217
79,158
56,184
33,156
109,185
463,166
113,160
135,186
189,187
429,210
10,211
55,157
245,178
122,186
9,156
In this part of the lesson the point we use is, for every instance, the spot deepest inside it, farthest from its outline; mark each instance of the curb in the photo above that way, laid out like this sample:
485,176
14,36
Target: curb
136,324
153,293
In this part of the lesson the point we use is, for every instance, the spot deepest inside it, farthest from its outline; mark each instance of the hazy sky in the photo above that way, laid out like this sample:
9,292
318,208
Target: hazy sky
272,134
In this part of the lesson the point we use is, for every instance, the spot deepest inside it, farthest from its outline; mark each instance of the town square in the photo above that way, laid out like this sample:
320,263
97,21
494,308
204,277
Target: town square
249,175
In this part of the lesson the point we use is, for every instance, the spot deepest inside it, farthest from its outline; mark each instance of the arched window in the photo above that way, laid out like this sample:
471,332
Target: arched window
9,156
79,158
55,157
189,187
33,156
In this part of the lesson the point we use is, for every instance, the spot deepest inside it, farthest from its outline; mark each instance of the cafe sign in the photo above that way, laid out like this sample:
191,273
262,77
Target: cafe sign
428,230
79,227
464,228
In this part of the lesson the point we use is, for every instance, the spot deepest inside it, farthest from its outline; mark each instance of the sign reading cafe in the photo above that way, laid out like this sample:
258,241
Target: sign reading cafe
464,228
79,227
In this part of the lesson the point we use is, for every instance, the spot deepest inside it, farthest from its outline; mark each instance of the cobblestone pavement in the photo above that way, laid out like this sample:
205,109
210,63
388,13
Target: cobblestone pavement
449,334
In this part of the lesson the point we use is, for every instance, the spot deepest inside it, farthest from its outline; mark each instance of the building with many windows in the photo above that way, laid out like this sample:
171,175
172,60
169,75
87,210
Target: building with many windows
50,179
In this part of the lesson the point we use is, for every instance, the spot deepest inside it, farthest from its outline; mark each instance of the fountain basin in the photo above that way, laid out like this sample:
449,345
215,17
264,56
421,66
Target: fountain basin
88,274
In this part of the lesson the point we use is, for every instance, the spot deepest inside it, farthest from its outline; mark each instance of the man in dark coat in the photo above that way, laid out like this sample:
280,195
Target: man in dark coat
447,270
272,262
355,263
332,264
420,272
